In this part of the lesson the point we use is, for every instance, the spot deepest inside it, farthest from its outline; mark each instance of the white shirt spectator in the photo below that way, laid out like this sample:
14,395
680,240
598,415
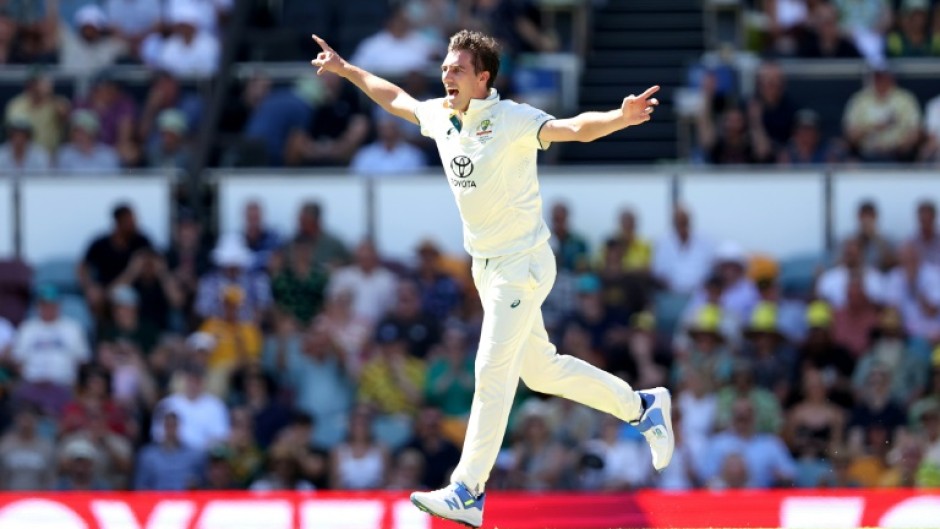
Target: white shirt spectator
77,55
50,351
903,296
133,18
384,54
203,421
376,159
36,159
833,284
625,462
698,421
199,58
373,293
682,267
102,159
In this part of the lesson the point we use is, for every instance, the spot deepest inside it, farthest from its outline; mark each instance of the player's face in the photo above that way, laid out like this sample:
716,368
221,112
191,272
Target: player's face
461,82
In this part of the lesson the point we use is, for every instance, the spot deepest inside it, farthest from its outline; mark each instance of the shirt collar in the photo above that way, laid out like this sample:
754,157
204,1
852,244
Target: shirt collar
477,105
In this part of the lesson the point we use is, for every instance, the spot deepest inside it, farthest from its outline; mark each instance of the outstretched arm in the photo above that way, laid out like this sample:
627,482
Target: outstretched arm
590,126
389,96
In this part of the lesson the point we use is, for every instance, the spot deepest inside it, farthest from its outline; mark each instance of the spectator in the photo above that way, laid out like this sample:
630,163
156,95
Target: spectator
210,14
882,121
135,381
889,350
772,103
406,471
190,50
349,332
165,94
298,285
571,248
93,399
125,322
739,295
806,146
262,240
188,259
741,138
396,50
219,471
269,415
913,39
89,49
233,260
109,255
112,454
27,461
327,249
49,349
913,288
410,322
764,404
875,409
814,426
439,455
517,25
283,111
169,464
372,285
158,292
682,259
773,358
237,342
77,467
321,387
625,291
283,473
85,154
537,460
926,239
626,461
820,351
866,21
314,460
637,251
826,41
247,458
441,295
392,382
43,108
172,150
854,322
699,406
338,128
766,459
132,20
359,463
928,419
20,154
877,250
708,351
390,154
450,378
203,418
832,285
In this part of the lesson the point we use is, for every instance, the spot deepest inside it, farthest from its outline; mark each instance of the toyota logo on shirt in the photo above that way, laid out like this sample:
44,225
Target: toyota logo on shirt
461,166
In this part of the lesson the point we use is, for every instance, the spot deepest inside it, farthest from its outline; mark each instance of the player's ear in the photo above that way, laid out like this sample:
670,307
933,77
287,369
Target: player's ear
485,76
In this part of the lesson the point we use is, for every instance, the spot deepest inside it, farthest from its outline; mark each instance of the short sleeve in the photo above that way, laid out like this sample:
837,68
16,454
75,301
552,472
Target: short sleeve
429,113
526,123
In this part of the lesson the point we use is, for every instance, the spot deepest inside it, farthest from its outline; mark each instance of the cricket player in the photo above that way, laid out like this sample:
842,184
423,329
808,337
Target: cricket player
488,147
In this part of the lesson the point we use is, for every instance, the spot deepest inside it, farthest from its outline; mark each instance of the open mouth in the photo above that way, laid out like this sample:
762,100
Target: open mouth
452,92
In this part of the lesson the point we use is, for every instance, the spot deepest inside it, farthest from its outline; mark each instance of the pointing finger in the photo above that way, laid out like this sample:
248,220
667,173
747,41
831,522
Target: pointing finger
322,43
649,91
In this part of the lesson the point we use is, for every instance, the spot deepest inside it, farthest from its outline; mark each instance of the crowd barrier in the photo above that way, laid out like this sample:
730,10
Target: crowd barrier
785,213
386,510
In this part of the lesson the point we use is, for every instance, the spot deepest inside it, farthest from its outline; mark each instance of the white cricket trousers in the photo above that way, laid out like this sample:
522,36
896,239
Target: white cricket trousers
514,344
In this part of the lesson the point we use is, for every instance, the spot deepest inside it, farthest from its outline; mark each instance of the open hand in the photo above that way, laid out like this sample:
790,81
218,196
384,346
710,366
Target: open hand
639,109
327,60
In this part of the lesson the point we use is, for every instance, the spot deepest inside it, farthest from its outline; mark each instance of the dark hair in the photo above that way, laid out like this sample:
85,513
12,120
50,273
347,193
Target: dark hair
120,211
868,207
927,205
485,51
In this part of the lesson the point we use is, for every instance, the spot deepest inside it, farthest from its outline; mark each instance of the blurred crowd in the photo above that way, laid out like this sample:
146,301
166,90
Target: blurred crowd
115,123
300,361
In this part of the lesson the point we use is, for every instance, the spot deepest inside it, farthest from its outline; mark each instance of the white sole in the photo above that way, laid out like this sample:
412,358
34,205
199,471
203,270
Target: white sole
667,412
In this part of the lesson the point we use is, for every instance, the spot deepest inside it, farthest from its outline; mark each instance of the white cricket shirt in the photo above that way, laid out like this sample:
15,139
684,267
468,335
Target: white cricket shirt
490,163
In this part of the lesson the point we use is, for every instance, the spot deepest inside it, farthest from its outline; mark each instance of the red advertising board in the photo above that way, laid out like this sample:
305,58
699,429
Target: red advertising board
347,510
